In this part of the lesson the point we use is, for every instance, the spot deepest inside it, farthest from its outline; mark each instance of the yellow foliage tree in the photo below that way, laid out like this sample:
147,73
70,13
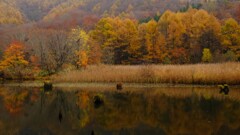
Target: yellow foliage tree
152,41
118,39
172,29
231,36
207,56
78,39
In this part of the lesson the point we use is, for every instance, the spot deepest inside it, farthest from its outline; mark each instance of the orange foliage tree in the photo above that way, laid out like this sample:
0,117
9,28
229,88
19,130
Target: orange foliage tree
83,59
14,59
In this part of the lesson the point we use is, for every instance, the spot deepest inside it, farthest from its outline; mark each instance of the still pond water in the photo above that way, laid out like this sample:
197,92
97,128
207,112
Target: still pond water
133,111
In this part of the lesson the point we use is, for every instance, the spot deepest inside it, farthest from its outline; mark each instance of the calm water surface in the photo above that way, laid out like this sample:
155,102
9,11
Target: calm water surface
132,111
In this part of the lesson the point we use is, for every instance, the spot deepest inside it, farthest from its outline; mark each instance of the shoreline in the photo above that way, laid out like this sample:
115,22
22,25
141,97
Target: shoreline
150,75
106,84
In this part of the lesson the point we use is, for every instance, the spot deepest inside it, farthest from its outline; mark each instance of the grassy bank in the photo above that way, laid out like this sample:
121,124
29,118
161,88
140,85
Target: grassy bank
176,74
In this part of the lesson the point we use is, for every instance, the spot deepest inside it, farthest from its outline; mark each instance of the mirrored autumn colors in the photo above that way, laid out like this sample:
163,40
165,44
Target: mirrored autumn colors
136,110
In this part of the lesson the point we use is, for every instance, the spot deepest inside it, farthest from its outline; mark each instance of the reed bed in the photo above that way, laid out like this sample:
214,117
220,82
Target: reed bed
176,74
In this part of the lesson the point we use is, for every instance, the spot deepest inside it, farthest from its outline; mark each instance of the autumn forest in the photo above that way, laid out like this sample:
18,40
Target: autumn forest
40,37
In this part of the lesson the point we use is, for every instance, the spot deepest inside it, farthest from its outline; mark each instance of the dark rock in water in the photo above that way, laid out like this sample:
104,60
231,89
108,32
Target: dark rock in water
224,89
48,86
98,101
2,77
60,116
119,86
1,74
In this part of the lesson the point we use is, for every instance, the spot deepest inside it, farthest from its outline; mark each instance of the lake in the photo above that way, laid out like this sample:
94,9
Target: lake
93,109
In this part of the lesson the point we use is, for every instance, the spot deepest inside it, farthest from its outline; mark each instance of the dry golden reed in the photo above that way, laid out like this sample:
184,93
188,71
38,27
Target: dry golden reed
177,74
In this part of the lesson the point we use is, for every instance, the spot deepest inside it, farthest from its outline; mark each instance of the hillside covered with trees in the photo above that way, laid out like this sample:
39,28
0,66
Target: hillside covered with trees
79,11
44,37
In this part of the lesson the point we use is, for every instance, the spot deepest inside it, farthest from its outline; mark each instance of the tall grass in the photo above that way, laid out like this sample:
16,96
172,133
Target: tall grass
177,74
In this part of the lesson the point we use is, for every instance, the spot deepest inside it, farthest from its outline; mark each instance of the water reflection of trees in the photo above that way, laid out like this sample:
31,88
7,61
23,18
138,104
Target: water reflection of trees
127,112
73,106
174,115
16,98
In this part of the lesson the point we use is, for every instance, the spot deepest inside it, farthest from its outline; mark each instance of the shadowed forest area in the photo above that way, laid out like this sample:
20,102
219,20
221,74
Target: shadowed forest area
40,38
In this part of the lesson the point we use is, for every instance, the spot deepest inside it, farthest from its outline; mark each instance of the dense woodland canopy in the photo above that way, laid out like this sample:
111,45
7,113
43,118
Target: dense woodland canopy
49,36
